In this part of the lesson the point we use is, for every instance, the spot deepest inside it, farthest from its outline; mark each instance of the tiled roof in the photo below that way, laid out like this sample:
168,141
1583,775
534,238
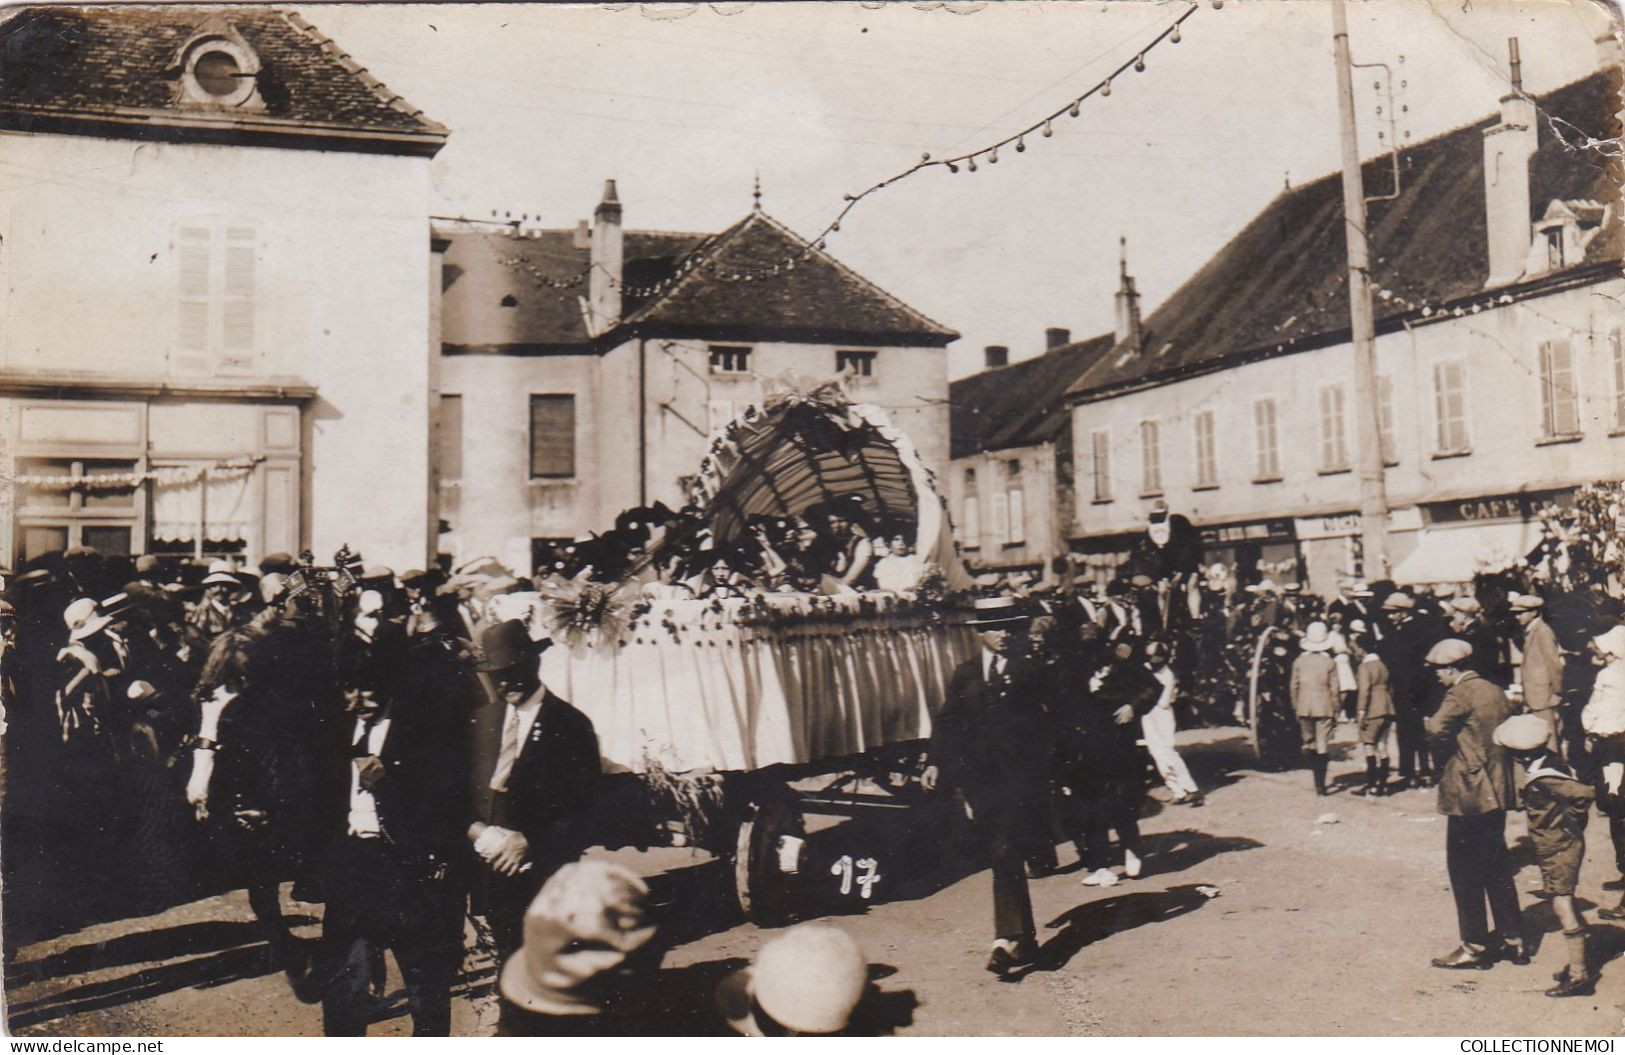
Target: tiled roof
119,61
820,299
1281,284
1021,404
545,273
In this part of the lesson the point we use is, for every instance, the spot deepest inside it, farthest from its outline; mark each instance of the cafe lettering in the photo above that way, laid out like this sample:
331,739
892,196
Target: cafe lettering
1495,509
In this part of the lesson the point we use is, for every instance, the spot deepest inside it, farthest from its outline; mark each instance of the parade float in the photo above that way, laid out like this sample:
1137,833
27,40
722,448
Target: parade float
729,717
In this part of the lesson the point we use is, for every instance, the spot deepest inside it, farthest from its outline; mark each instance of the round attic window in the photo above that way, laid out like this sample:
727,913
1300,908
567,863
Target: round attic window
217,73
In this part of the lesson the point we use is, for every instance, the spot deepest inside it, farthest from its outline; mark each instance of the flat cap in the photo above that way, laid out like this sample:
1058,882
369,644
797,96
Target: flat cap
1448,653
1523,732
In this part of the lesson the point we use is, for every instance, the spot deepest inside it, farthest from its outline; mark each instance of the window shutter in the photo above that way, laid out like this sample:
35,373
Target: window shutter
1385,418
973,522
1150,458
553,436
192,302
1441,408
1001,518
1018,516
1617,346
1103,467
237,300
451,437
1558,360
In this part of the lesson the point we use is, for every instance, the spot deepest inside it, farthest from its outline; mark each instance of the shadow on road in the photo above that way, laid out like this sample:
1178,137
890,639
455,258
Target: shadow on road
187,939
1175,851
1095,921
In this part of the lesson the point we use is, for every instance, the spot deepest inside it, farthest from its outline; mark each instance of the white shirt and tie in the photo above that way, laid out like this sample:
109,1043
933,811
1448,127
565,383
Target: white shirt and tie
363,804
516,729
993,666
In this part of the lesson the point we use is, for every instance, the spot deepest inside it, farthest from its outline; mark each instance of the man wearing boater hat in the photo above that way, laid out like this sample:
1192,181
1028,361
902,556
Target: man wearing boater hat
988,742
535,775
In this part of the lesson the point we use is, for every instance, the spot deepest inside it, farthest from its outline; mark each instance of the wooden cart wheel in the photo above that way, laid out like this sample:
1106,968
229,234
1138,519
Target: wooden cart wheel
760,885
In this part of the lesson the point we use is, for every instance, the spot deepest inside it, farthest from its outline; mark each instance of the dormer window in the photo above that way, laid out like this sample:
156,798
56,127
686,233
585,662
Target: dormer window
1563,236
218,69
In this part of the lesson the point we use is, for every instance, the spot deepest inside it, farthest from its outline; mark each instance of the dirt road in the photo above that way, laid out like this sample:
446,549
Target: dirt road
1328,910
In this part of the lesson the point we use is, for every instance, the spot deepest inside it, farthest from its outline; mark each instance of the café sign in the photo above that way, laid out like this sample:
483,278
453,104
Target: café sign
1516,508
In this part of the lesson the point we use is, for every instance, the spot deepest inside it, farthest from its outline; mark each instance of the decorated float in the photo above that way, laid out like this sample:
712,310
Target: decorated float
732,715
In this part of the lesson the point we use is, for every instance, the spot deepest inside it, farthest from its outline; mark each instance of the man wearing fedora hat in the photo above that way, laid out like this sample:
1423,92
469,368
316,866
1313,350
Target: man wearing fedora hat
393,866
1403,647
988,742
1541,674
535,776
1475,792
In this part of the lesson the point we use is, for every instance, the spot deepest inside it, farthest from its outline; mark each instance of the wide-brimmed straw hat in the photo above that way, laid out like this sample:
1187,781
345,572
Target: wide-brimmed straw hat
996,611
83,618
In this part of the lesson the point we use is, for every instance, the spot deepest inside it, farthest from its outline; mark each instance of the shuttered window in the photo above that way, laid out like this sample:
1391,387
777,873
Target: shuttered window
1207,464
1015,504
1385,420
1266,444
552,436
1450,406
1150,459
1001,518
1616,348
1100,442
972,527
1559,403
451,437
216,281
1334,448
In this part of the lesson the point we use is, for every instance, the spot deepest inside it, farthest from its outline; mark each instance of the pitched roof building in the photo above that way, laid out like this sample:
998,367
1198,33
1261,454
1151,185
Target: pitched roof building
229,310
1501,375
631,348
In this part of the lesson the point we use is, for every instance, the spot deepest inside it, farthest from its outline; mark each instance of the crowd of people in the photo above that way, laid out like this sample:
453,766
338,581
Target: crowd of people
384,741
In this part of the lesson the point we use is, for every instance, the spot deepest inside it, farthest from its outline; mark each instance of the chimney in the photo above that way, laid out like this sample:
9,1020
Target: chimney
1055,336
1128,302
996,355
604,281
1507,149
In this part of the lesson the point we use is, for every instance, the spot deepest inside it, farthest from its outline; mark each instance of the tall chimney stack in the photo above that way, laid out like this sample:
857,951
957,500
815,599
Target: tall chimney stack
1055,336
996,355
1128,302
606,255
1507,149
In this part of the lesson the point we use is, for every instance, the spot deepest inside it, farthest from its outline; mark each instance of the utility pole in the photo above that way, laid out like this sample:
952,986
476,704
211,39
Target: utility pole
1362,324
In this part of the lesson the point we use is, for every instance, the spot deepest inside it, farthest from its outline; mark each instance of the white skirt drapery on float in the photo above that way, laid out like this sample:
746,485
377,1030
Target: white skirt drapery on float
694,687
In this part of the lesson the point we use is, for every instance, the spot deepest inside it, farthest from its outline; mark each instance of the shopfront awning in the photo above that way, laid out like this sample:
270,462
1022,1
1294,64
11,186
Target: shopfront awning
1456,554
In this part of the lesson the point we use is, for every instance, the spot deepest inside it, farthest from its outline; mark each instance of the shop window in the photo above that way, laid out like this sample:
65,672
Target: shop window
1150,459
1559,402
552,437
67,502
856,364
1334,450
1450,407
1100,446
1207,465
1266,441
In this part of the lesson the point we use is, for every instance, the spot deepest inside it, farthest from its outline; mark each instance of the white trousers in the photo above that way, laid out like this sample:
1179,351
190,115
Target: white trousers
1157,726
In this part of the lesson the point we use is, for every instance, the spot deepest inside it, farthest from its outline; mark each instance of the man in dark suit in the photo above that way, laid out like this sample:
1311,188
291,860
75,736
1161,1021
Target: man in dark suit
1475,792
535,775
394,868
989,742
